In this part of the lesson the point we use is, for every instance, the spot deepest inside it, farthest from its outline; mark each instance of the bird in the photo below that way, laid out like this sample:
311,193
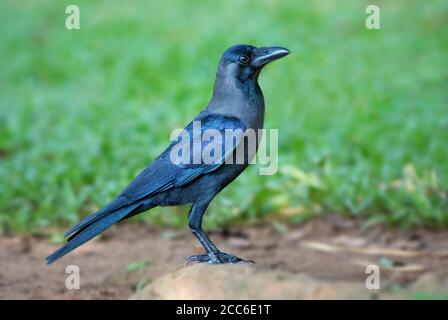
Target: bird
237,104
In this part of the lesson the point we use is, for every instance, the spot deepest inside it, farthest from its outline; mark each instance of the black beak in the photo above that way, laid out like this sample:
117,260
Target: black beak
265,55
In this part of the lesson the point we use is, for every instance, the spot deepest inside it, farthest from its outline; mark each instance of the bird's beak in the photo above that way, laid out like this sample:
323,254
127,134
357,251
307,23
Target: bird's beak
265,55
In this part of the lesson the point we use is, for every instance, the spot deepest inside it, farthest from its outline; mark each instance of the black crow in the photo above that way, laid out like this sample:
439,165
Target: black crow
237,104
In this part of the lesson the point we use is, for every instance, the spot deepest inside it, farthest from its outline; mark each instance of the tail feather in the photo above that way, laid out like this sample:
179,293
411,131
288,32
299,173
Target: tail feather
91,231
112,206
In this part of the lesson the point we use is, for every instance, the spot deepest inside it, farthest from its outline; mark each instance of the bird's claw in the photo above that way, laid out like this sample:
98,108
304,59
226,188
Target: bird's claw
216,258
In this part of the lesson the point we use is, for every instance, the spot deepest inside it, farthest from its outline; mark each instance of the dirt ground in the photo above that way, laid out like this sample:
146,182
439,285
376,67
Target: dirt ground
133,254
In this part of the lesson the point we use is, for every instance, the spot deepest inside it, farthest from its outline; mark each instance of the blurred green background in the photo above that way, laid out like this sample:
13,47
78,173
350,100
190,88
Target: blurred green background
362,114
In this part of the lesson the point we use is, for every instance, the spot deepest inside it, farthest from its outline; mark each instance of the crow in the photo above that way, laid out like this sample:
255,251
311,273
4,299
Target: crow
237,104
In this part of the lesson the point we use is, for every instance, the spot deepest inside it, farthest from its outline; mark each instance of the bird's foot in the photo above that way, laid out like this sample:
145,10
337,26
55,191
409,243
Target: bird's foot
216,258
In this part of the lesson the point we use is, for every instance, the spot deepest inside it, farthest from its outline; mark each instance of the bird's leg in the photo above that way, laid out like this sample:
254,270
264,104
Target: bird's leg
213,255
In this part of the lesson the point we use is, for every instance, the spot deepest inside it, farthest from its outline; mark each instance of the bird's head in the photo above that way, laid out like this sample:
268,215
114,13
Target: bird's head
244,62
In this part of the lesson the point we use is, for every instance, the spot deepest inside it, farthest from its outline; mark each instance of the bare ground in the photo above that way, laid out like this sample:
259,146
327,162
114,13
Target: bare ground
329,249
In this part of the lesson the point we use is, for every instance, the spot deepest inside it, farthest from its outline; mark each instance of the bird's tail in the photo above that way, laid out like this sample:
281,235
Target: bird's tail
91,230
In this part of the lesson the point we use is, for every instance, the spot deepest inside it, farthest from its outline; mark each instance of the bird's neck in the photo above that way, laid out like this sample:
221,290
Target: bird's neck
242,100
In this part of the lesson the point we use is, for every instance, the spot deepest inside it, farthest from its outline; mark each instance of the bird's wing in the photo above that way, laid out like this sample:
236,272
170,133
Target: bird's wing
167,172
163,174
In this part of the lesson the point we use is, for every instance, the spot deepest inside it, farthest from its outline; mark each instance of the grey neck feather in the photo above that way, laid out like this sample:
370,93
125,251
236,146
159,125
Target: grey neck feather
243,100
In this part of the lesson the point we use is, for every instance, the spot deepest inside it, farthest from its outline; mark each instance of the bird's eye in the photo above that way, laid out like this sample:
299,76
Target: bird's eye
243,60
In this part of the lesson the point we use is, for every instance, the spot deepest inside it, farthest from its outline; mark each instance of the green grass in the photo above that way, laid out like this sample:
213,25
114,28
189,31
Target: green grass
362,114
